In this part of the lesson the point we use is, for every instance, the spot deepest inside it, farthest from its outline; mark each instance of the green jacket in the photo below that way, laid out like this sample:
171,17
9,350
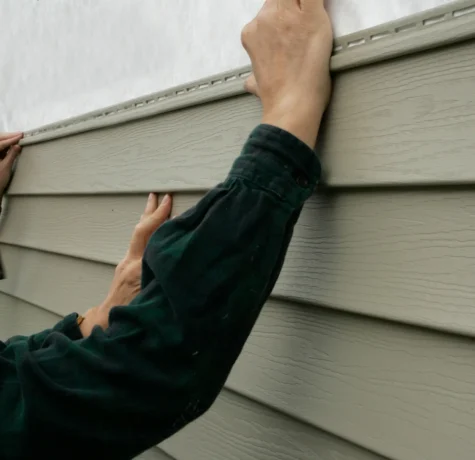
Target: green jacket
166,356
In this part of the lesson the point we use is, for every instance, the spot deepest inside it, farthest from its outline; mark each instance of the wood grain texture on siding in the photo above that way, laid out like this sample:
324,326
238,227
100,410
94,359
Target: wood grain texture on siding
59,284
404,122
406,255
235,427
238,428
97,228
400,122
21,318
66,224
310,376
146,155
403,392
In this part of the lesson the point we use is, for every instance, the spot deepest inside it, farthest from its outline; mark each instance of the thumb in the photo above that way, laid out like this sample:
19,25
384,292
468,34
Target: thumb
11,155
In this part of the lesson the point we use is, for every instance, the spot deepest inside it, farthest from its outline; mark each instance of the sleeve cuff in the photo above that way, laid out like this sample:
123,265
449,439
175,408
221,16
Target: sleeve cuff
278,161
69,327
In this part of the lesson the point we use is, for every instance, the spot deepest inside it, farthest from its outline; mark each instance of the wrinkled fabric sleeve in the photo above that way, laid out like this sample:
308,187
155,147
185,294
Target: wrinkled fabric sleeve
67,326
165,357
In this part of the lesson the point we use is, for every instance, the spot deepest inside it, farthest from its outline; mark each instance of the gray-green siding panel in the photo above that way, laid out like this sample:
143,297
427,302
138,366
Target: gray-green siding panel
405,255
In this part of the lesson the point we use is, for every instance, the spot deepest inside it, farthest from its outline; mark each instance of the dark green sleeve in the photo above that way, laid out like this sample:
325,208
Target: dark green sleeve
166,356
67,326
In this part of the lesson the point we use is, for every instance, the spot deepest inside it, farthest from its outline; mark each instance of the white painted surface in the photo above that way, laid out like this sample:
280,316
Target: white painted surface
61,58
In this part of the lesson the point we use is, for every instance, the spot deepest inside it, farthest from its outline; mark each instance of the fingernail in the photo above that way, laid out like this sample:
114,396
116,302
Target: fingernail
166,199
150,197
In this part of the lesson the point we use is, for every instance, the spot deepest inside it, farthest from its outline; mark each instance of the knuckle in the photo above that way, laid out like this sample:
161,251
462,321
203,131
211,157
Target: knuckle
134,270
247,33
267,16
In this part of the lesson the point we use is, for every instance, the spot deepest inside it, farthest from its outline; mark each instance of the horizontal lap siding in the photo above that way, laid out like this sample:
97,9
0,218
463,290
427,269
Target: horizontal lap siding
238,428
406,255
59,284
403,392
96,228
143,155
21,318
318,361
387,387
404,122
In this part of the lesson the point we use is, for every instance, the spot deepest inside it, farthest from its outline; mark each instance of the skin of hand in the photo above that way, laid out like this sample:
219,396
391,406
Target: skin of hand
126,283
290,44
9,150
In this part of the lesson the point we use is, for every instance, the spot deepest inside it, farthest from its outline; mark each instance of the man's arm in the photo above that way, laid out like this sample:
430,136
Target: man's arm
206,275
165,357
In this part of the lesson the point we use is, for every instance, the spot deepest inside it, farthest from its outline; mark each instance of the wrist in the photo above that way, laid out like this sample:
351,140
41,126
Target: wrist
300,119
90,319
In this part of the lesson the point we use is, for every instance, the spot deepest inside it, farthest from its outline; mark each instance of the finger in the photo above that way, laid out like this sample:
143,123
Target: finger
8,142
251,85
146,227
4,136
152,204
163,211
10,157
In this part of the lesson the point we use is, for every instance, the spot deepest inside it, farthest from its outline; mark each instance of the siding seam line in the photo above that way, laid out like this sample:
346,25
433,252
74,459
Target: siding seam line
312,425
276,297
161,450
302,421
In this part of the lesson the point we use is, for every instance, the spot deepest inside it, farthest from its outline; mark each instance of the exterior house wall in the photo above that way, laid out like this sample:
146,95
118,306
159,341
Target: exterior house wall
365,350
